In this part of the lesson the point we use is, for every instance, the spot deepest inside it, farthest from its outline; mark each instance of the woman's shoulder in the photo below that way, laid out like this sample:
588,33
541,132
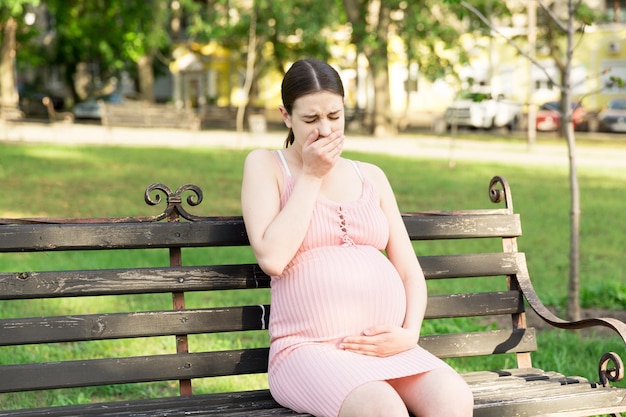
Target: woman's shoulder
261,163
372,171
260,156
260,153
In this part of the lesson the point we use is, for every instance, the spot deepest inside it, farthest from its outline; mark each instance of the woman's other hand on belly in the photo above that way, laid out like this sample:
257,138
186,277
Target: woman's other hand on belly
381,341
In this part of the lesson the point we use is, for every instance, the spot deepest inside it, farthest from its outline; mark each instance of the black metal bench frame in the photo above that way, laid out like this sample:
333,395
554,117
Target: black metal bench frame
525,390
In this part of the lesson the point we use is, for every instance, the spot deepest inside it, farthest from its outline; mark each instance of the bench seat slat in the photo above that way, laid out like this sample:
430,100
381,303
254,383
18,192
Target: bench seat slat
74,328
480,343
226,231
96,372
23,285
469,265
463,226
128,325
493,389
47,237
197,405
532,389
487,377
474,304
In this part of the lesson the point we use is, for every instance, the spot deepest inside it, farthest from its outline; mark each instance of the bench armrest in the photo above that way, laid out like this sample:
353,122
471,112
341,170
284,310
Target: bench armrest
606,374
546,315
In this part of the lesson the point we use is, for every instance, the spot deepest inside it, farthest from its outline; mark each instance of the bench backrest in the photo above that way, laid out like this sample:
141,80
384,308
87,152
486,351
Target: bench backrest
499,263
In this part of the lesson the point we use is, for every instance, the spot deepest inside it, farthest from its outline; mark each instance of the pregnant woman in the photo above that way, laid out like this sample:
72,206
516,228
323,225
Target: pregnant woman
348,293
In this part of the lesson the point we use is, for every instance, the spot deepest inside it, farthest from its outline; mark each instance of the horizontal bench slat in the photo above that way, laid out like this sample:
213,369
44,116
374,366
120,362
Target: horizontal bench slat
131,325
260,401
474,304
488,377
469,265
480,343
46,237
75,328
96,372
533,389
463,226
226,231
24,285
492,389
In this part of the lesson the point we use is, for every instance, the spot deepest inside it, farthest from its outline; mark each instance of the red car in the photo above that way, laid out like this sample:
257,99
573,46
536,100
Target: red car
549,116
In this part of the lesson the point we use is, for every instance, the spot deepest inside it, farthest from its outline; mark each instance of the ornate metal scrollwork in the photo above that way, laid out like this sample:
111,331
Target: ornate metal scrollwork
612,374
503,192
174,209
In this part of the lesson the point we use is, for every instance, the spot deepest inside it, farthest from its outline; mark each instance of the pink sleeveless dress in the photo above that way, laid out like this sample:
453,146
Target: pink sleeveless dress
338,284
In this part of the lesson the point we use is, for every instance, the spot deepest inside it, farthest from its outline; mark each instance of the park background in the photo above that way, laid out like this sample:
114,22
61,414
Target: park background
402,62
50,168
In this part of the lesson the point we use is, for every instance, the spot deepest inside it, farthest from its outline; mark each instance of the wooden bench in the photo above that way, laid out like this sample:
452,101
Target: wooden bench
522,391
54,115
141,114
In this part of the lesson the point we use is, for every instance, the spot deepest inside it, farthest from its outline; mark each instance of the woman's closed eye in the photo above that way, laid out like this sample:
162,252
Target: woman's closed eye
313,118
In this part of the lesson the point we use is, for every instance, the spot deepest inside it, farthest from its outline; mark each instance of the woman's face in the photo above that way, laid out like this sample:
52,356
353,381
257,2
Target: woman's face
321,110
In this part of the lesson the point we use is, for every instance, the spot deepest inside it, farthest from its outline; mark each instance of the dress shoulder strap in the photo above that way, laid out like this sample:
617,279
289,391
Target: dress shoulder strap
357,169
284,161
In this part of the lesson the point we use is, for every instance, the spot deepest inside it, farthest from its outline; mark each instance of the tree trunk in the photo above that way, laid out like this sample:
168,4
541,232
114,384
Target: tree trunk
573,298
382,124
378,60
8,82
250,61
573,293
146,78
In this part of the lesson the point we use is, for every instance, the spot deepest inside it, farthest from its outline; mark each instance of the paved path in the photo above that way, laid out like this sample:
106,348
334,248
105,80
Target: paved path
611,158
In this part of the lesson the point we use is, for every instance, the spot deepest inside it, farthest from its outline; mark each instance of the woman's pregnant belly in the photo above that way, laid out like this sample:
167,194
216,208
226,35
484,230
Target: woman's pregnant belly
331,292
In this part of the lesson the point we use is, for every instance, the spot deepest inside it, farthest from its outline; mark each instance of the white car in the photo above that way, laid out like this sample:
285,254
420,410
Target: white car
482,111
90,108
613,118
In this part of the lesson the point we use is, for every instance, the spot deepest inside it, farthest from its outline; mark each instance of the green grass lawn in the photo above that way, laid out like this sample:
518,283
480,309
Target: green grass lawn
80,181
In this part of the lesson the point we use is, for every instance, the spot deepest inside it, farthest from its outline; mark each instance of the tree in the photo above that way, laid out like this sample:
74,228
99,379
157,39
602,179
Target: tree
12,13
105,36
425,27
371,21
430,34
552,28
567,25
264,34
144,38
305,29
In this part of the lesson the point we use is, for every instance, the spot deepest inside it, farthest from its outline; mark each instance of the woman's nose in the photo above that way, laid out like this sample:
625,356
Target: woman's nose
324,127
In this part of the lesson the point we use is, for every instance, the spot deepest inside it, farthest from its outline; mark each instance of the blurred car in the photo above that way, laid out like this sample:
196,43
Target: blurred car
90,108
549,116
613,117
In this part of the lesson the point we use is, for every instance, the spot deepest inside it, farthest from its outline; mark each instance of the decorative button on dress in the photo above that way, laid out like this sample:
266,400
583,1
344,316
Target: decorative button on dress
338,284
